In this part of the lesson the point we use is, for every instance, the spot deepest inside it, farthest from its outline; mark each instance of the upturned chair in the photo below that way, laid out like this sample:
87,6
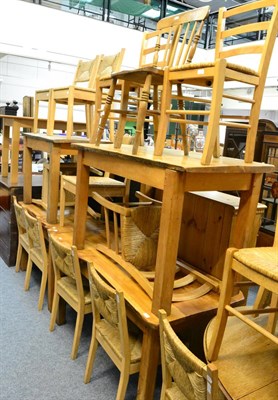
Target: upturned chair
159,49
226,67
117,336
78,93
184,376
23,240
38,254
68,286
260,266
85,75
133,245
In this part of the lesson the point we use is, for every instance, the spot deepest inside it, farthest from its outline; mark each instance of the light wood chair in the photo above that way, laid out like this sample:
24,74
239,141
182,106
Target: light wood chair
159,49
260,266
132,238
117,336
68,286
77,94
228,66
80,92
184,375
38,253
104,185
23,240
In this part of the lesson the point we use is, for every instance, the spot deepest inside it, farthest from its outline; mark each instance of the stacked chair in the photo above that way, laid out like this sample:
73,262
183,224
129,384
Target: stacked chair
184,376
81,92
69,286
159,50
226,68
260,266
121,340
23,240
38,253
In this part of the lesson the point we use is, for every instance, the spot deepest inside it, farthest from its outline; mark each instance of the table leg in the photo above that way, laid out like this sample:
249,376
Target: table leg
81,202
27,171
168,241
246,213
15,152
5,151
149,363
53,185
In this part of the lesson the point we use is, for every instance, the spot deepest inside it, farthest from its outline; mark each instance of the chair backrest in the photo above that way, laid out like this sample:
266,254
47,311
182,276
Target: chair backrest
138,232
20,216
264,32
66,262
38,252
175,40
193,378
109,64
109,304
86,72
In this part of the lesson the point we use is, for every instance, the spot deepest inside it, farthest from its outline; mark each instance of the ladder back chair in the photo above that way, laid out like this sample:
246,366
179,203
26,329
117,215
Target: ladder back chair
260,266
132,238
80,92
68,286
184,376
120,339
104,185
215,76
23,240
38,254
173,43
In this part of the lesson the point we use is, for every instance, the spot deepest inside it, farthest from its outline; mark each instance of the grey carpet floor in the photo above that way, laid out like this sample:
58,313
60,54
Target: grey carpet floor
35,363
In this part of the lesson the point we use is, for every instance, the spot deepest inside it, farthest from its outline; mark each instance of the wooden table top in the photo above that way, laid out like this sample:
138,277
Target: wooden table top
247,362
175,159
42,122
56,139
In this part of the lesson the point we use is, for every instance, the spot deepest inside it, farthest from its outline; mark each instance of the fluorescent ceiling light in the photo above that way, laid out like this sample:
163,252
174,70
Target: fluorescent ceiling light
151,13
171,8
205,1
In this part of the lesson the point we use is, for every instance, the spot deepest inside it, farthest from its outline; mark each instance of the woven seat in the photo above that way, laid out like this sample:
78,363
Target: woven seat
173,43
230,66
260,266
121,341
68,286
23,240
184,375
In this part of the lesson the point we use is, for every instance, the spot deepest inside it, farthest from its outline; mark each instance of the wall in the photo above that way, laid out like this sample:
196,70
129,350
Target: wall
40,47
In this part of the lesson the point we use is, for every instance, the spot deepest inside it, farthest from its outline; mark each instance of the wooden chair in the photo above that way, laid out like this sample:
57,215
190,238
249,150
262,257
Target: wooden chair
213,76
68,286
104,185
38,253
23,241
77,93
184,375
159,49
121,340
133,245
260,266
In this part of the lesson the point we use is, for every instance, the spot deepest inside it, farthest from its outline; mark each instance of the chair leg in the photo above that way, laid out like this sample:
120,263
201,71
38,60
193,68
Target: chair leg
42,288
28,274
54,311
36,116
91,357
18,257
214,117
123,382
272,319
118,139
222,313
77,333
